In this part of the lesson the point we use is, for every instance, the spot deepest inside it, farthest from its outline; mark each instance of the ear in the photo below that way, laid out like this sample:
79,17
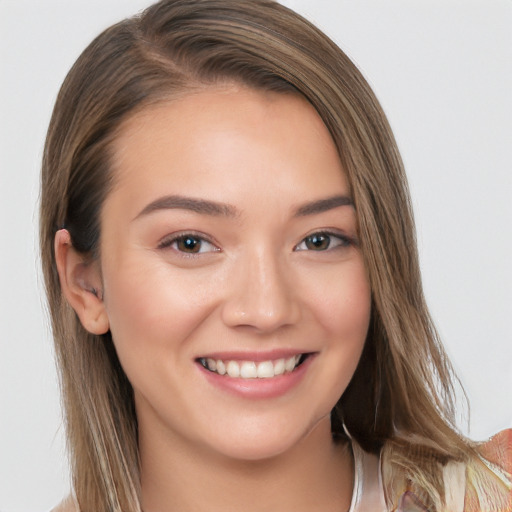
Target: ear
81,284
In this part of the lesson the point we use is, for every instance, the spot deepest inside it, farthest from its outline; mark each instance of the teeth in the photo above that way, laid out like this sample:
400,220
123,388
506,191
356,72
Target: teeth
251,369
290,364
248,370
265,370
221,367
279,367
233,369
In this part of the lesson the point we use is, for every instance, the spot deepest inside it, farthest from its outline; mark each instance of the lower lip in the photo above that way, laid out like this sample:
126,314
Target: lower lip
259,388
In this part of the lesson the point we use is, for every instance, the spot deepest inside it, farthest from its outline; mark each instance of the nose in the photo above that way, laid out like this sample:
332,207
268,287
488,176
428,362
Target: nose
261,295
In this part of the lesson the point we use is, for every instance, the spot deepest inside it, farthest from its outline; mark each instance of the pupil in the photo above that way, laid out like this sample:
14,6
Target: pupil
189,244
317,242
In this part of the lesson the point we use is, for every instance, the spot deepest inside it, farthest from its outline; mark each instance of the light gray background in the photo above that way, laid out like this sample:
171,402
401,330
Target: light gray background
443,72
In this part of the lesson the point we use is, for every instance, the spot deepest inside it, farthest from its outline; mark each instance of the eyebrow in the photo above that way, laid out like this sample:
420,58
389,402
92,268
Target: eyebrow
213,208
322,205
202,206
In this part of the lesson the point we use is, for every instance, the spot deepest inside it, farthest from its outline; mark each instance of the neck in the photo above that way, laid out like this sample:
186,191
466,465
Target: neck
316,474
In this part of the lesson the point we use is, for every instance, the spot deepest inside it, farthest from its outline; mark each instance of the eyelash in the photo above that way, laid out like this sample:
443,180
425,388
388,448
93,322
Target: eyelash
344,241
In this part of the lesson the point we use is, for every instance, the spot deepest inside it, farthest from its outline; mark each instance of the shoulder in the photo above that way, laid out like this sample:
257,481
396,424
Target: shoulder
481,484
489,476
67,505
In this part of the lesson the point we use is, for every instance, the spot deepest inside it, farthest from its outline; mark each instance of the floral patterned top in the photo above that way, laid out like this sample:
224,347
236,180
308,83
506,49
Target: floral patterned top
482,486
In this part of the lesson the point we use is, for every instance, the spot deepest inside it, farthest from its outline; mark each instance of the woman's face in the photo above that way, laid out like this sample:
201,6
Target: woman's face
235,290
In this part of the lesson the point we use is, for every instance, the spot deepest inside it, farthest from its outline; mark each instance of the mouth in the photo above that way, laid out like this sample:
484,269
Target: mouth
253,369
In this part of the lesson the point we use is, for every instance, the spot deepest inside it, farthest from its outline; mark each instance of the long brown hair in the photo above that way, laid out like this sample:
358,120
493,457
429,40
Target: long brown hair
401,394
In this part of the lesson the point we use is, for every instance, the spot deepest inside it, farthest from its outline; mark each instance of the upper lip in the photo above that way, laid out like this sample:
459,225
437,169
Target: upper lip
268,355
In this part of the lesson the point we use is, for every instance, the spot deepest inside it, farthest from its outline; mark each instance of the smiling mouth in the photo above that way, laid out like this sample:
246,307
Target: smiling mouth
253,369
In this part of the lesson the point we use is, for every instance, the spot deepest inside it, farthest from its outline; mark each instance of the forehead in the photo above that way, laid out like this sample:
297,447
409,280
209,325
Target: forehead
217,141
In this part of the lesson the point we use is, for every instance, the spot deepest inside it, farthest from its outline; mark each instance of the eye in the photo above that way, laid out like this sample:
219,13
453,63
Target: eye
322,242
188,243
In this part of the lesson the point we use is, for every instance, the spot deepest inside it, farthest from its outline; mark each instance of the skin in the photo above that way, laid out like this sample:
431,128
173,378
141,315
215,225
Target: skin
257,285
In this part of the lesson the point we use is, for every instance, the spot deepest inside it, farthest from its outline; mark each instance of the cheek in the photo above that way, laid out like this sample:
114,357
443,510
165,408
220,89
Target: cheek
342,307
343,303
153,308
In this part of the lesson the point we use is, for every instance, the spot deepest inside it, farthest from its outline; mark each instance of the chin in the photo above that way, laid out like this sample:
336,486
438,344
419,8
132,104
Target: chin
258,441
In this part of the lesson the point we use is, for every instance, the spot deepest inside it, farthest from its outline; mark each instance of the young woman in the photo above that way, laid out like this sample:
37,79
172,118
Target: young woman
231,269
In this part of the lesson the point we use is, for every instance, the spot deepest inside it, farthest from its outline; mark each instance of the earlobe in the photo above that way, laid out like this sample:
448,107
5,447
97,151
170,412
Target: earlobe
81,284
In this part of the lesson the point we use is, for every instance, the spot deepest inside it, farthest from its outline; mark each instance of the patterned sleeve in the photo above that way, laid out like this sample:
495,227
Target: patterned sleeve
489,479
484,485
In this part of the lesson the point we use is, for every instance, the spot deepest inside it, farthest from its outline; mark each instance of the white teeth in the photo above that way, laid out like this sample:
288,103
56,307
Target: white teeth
233,369
248,370
289,364
221,367
279,367
252,369
265,370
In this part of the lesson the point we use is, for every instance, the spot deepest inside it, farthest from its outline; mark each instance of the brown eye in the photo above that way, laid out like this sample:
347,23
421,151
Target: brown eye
188,244
191,244
318,242
323,242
